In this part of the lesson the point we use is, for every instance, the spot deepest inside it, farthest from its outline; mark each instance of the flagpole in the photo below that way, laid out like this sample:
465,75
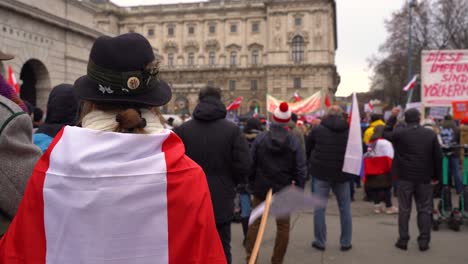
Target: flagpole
263,222
411,4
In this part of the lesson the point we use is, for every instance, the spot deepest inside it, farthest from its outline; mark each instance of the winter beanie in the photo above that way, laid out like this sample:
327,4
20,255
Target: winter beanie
7,91
412,116
282,114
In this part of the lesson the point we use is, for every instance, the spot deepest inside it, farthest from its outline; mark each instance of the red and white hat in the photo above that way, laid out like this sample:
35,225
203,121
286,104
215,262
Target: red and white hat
282,114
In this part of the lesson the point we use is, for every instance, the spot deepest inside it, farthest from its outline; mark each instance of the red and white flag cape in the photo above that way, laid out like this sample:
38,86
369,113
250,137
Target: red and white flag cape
12,80
103,197
353,156
411,84
379,158
235,104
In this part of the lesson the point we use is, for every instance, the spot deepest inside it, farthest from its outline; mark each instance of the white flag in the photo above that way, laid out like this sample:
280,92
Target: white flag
288,201
353,156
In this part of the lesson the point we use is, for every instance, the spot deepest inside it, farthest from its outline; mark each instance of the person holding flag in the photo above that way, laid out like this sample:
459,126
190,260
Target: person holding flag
119,189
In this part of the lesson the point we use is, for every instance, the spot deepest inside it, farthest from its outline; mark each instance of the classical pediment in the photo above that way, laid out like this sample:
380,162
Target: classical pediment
255,46
191,46
233,47
170,46
212,44
303,34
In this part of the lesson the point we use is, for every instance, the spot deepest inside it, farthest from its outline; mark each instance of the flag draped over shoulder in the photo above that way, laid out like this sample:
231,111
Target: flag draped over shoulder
103,197
353,156
378,160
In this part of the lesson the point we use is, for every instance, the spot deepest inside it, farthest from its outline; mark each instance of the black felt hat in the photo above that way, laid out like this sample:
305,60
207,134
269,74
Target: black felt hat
118,73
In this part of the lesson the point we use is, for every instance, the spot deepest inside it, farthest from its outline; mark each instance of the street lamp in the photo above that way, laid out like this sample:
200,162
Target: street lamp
411,4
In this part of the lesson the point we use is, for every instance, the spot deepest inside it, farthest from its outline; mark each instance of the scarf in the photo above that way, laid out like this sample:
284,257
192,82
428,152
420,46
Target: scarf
105,121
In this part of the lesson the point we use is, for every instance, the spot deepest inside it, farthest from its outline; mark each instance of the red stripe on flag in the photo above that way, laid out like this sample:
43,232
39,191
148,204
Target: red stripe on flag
377,165
193,237
25,240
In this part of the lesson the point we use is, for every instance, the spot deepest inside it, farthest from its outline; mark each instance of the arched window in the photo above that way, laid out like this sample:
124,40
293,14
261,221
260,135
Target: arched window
211,58
233,60
298,49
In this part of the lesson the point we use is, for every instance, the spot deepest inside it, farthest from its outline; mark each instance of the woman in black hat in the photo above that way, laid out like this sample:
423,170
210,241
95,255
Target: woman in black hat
120,189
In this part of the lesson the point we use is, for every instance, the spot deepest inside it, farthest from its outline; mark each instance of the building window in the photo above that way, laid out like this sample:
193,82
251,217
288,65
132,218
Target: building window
211,83
298,21
233,28
131,30
212,29
297,83
151,32
170,59
232,85
233,58
191,30
171,31
253,85
255,27
211,58
191,58
298,49
255,57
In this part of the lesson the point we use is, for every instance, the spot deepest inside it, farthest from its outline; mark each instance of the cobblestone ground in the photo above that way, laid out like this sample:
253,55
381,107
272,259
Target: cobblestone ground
373,240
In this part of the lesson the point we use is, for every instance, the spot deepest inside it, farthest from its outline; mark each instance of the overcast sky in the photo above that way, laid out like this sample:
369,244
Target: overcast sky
360,32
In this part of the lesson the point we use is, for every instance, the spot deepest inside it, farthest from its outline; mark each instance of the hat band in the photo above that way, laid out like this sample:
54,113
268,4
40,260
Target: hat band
119,83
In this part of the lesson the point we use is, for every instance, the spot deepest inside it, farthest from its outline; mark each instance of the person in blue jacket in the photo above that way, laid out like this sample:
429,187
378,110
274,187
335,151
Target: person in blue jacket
62,109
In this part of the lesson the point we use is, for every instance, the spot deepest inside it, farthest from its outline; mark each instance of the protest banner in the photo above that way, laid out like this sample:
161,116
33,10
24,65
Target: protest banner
305,106
438,112
460,109
444,77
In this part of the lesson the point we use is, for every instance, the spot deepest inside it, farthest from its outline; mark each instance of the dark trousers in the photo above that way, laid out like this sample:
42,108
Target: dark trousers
282,236
224,231
423,197
377,194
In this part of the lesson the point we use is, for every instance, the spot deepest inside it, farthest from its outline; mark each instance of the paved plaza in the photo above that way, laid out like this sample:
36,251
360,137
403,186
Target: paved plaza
373,239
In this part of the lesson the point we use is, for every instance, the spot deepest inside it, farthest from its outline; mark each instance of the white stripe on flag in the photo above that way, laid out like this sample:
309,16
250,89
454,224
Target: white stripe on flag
106,213
353,157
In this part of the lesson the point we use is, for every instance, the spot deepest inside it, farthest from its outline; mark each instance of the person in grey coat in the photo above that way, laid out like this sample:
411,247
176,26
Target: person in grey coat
18,155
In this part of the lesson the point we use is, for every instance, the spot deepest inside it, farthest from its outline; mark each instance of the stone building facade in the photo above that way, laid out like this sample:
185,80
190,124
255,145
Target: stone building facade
51,40
246,47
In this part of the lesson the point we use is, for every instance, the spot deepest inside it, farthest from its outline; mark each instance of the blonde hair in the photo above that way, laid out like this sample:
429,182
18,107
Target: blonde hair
129,118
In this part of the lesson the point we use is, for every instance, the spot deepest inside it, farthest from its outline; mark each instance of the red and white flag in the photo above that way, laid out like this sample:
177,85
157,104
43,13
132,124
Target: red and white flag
235,104
379,158
12,80
104,197
411,84
353,156
297,98
369,107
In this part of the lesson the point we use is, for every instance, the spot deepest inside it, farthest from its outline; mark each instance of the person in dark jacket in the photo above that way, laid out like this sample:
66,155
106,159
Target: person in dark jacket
219,147
62,108
418,160
279,161
450,134
326,147
252,129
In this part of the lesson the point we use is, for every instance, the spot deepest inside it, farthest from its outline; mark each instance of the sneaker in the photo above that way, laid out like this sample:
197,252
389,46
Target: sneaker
391,210
316,246
346,248
401,245
377,209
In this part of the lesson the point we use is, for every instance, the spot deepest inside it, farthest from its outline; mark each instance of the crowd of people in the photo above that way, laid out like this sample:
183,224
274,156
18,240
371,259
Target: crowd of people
117,101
